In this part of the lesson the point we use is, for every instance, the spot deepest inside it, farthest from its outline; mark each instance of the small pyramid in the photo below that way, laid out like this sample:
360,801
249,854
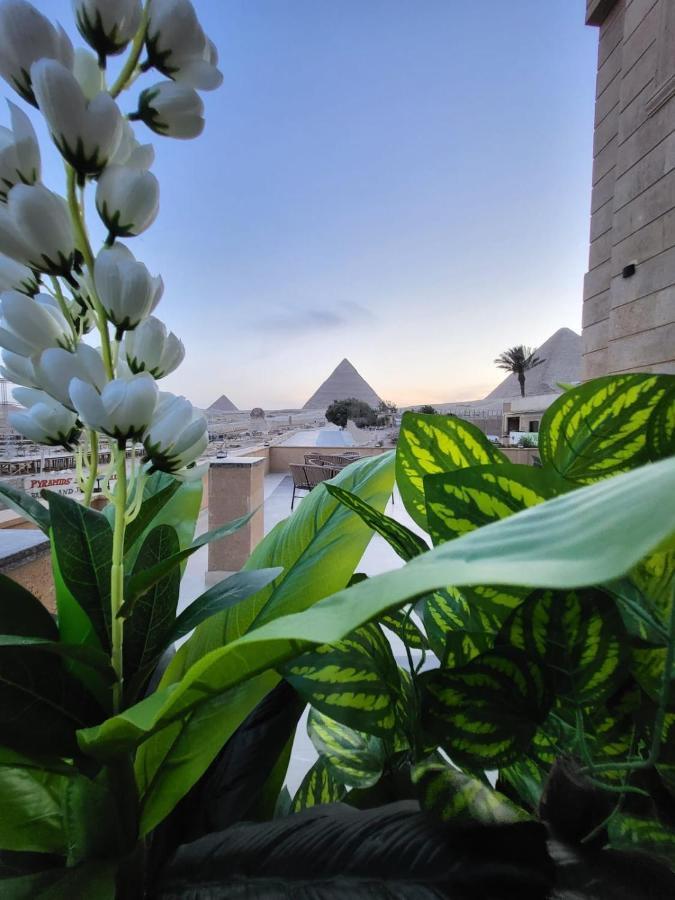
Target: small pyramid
343,382
562,363
222,404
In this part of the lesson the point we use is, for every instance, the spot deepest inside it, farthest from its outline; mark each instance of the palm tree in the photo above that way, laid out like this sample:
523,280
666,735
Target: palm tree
519,360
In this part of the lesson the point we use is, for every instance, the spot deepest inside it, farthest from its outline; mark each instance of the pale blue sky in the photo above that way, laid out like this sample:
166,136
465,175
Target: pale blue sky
402,182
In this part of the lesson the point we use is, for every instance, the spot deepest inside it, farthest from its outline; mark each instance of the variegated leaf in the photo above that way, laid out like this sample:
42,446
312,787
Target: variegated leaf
403,626
353,757
602,427
431,444
318,786
486,713
354,681
661,426
526,778
452,796
628,832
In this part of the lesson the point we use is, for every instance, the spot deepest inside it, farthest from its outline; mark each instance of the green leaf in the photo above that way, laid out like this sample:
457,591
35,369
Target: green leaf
147,631
26,506
628,832
83,544
92,823
401,539
352,757
22,613
404,627
429,445
142,580
461,501
661,426
486,713
79,653
527,778
94,879
153,502
452,796
599,533
578,637
354,681
601,427
319,786
32,810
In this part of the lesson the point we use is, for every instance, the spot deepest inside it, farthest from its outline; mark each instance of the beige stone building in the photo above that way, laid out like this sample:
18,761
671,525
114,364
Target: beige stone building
629,291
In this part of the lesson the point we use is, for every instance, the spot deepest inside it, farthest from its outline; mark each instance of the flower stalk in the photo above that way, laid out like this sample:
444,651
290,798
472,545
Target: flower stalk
117,570
128,71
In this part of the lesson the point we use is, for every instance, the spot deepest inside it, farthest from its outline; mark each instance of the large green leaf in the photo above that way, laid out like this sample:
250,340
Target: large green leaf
431,444
352,757
22,614
82,654
586,537
319,786
26,506
401,539
354,681
661,426
461,501
628,832
601,427
452,796
404,627
32,809
83,545
486,713
157,492
93,879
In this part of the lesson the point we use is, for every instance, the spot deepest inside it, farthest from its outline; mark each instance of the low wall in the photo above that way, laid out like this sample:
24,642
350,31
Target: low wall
281,457
525,456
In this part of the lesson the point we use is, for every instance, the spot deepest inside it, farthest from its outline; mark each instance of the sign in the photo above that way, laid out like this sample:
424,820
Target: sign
60,482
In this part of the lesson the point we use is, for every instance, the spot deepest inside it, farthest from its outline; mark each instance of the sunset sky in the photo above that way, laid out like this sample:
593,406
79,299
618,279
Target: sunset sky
402,182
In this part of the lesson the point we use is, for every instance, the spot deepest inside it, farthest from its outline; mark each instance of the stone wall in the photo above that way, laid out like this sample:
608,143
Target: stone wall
629,319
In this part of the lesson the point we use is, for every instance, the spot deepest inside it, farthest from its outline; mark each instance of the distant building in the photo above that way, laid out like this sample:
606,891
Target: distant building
343,383
222,405
629,291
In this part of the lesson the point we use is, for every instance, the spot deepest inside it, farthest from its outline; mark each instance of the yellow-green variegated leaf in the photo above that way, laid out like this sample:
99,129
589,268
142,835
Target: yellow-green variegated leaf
525,778
402,624
578,636
661,426
352,757
461,501
354,681
318,786
430,445
486,714
628,832
452,796
602,427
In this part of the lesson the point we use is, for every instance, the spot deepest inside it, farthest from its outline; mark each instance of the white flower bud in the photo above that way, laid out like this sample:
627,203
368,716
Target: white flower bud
128,292
14,276
149,348
127,200
177,436
18,369
88,74
45,421
86,133
30,325
107,25
122,410
130,152
36,230
26,36
55,368
177,46
19,152
172,109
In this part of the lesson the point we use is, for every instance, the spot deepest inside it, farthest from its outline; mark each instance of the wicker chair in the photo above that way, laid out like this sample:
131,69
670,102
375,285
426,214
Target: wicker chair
307,477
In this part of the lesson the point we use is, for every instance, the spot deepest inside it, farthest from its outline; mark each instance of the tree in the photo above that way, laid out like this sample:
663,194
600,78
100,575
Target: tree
519,360
387,410
428,410
340,411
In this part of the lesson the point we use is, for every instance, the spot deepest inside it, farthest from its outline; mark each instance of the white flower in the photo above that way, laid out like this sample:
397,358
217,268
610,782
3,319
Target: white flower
107,25
127,199
26,36
172,109
126,289
177,436
19,152
35,229
55,368
30,325
177,46
149,348
123,409
18,369
86,132
130,152
14,276
45,421
87,73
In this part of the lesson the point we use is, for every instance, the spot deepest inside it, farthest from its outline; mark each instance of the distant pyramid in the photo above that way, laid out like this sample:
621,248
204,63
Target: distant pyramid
343,382
222,404
562,362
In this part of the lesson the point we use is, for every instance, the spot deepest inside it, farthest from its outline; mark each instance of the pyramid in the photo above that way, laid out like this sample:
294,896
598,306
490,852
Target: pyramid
222,404
343,382
562,362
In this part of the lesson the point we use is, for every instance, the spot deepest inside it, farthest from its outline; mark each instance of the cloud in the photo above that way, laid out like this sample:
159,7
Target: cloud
297,321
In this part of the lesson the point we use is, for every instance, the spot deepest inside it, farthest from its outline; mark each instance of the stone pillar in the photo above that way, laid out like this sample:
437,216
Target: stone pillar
236,487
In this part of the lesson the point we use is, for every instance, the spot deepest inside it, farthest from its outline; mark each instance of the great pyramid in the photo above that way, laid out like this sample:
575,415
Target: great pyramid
343,382
222,404
562,363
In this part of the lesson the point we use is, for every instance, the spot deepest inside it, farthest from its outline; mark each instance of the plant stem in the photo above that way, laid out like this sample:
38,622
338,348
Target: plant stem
85,248
117,570
93,467
127,73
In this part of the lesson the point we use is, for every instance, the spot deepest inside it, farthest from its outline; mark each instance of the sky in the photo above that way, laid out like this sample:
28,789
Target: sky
405,183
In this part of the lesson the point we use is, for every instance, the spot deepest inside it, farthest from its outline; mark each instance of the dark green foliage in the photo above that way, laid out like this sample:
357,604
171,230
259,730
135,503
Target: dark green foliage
341,411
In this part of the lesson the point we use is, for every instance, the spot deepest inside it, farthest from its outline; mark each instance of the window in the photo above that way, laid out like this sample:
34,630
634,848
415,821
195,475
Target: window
534,426
513,424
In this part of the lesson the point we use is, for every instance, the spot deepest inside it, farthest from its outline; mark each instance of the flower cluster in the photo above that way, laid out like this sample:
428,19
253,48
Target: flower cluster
54,288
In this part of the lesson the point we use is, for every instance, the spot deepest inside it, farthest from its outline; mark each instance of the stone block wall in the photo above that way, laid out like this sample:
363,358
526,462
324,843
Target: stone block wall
629,322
